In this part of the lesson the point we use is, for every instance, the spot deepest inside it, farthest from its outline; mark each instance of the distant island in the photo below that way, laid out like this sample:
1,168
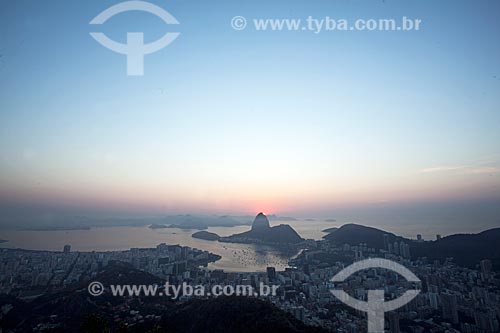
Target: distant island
188,226
262,233
3,241
274,217
194,222
330,220
205,235
157,226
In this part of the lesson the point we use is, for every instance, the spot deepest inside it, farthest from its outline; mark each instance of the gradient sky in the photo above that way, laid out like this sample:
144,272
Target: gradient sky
227,121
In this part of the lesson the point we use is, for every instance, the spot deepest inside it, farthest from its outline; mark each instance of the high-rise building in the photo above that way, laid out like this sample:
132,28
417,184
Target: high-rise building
358,254
433,300
438,237
450,307
407,250
486,267
396,248
67,249
271,273
386,242
404,250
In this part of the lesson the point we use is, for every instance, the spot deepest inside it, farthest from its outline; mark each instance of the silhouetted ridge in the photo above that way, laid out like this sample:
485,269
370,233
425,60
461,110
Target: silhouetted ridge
76,310
233,314
466,249
353,234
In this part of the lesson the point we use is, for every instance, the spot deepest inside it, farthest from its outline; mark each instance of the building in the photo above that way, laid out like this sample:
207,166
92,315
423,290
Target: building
396,248
386,242
486,267
67,249
450,307
433,300
271,273
404,250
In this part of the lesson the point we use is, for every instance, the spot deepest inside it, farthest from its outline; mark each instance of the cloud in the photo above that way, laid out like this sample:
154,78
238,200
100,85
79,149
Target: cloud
443,168
465,169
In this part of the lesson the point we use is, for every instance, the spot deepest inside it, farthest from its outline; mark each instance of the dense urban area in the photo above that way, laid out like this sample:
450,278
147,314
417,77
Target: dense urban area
452,298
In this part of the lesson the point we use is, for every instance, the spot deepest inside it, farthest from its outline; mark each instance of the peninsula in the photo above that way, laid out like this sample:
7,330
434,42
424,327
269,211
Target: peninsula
262,233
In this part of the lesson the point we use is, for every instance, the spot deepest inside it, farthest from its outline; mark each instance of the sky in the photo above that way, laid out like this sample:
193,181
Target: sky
229,122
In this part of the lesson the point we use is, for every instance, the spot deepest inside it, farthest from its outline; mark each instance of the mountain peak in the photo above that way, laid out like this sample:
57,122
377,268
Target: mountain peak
260,223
